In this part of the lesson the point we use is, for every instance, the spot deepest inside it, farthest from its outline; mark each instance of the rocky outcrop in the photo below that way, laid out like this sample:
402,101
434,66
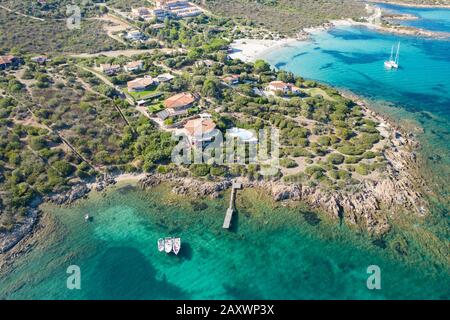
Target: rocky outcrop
106,181
367,204
77,191
187,186
8,239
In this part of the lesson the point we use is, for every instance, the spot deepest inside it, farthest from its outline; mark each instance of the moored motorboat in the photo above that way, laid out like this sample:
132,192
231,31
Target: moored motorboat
161,245
176,243
168,242
87,217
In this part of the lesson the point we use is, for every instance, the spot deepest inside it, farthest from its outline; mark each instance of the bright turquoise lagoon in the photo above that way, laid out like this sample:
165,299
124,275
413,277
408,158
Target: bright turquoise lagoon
272,253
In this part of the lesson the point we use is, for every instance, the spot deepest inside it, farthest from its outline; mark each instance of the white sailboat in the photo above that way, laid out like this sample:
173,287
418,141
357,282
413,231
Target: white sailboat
168,243
391,63
176,245
161,245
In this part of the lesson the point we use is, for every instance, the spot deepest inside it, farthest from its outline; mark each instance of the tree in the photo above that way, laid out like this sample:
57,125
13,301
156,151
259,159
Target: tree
211,88
261,66
63,167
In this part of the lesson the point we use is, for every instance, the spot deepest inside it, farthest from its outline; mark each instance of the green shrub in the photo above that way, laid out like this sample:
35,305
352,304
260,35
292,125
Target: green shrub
369,155
288,163
324,140
300,152
335,158
313,169
351,150
295,178
218,171
199,170
362,169
162,169
352,160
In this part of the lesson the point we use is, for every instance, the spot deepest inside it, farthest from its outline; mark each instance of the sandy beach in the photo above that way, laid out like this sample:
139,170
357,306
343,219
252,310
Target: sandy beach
249,50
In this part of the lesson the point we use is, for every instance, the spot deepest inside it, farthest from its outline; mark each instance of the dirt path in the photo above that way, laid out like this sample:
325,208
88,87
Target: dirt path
117,53
118,26
21,14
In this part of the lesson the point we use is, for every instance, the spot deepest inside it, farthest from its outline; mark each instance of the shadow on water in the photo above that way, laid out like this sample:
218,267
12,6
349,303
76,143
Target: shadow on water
185,251
234,227
127,188
125,273
311,218
242,292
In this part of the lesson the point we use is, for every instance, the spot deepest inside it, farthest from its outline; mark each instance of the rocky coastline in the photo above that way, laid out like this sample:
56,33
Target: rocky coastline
368,205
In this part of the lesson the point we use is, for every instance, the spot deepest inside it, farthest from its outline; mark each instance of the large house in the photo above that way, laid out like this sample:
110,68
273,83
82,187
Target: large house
134,66
176,105
179,101
39,59
282,87
140,84
165,77
232,79
200,130
135,35
140,12
109,69
176,8
8,61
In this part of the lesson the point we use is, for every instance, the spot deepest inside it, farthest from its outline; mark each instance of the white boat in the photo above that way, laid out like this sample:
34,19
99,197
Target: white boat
391,63
161,245
87,217
176,245
168,245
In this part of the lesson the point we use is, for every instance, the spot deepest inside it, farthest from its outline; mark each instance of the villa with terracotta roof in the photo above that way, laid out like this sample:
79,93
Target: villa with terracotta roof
8,61
179,101
200,130
231,79
285,88
140,84
177,105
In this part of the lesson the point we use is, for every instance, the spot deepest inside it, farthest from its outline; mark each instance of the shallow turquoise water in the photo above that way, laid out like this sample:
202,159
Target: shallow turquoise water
272,254
433,19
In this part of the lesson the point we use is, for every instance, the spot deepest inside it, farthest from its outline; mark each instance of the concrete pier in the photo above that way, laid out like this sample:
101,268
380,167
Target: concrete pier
231,209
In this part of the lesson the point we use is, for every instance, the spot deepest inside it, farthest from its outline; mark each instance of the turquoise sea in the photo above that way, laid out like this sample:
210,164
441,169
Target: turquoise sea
418,94
273,252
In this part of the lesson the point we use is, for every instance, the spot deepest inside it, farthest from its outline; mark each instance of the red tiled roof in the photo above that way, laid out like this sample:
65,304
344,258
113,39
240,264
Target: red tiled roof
6,59
199,126
179,100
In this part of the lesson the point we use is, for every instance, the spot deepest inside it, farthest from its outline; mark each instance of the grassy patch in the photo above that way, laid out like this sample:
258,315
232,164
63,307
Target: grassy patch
138,95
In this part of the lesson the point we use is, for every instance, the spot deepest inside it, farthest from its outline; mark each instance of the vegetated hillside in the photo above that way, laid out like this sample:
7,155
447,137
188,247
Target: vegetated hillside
286,16
54,9
126,5
52,36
